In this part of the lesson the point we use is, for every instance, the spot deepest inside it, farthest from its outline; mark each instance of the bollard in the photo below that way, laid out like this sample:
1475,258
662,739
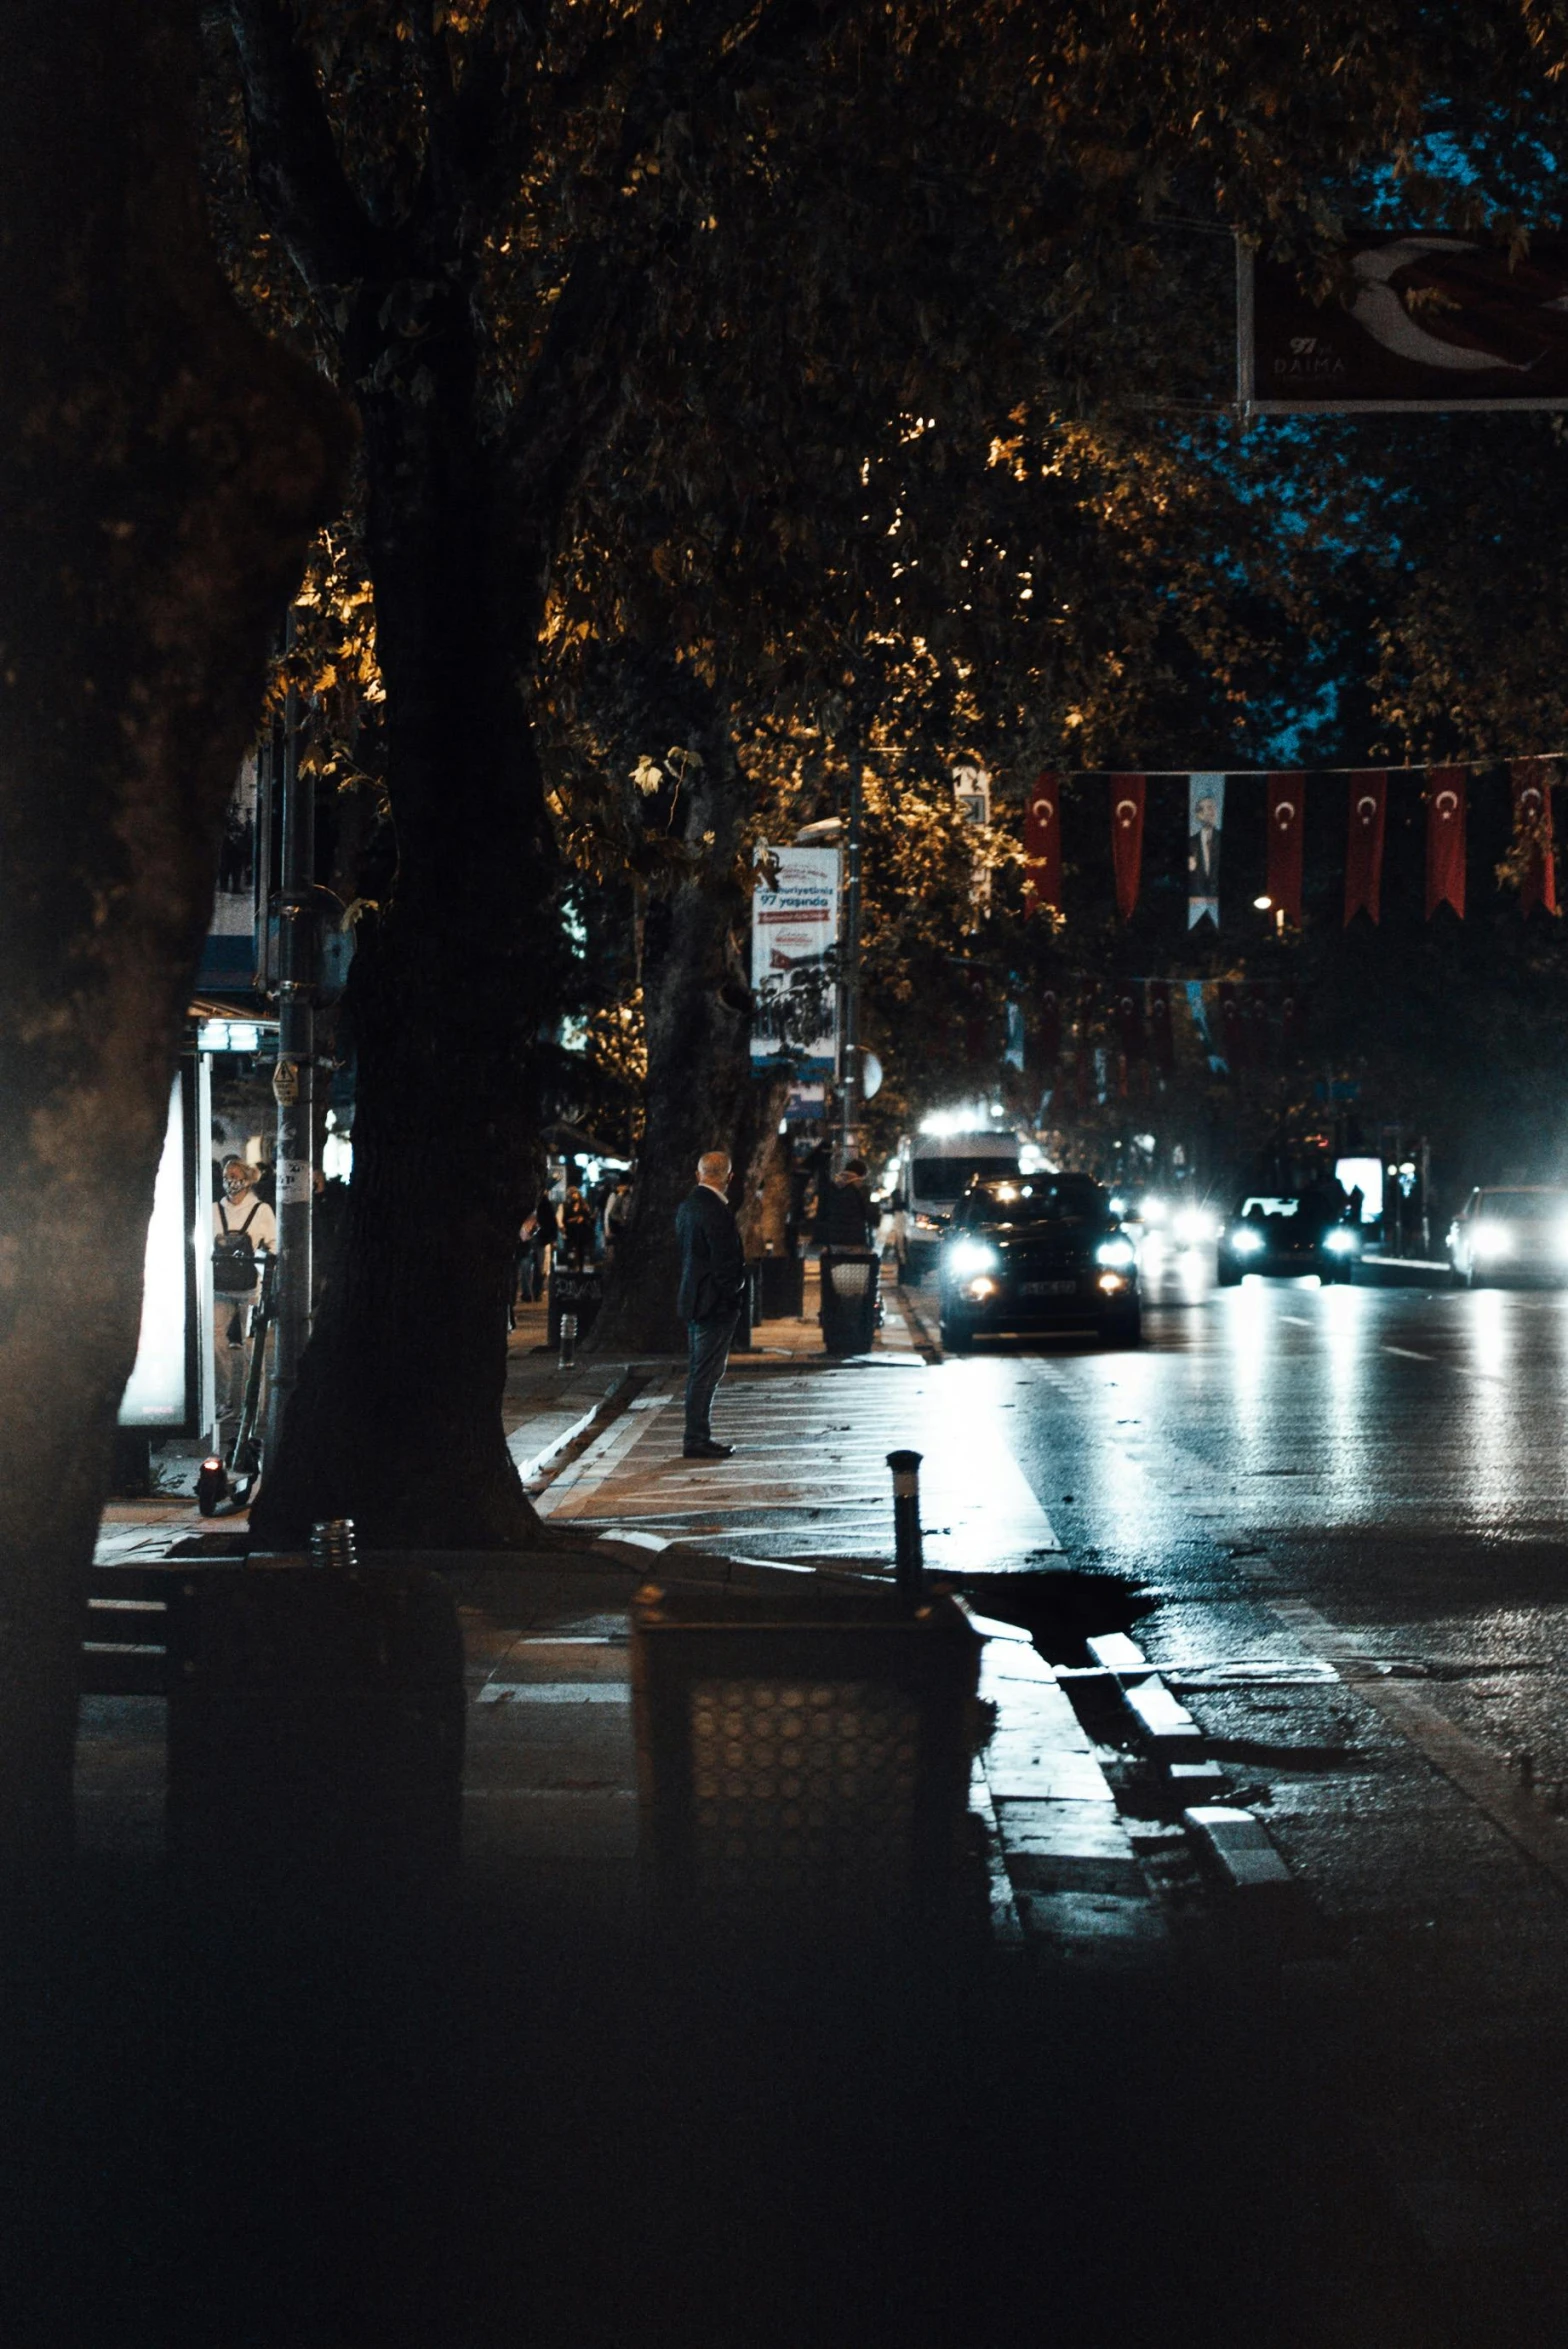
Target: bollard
908,1567
332,1543
568,1340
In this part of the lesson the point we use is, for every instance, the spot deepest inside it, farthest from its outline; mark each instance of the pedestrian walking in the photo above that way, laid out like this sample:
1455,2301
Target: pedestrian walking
576,1229
242,1225
713,1281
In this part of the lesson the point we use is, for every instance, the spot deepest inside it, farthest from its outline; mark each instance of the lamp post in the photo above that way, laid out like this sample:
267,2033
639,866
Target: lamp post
293,1082
850,1089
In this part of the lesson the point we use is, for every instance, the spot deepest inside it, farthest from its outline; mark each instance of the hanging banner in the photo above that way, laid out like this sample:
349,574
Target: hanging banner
1445,839
1292,1024
1162,1035
1129,1019
794,942
1200,1020
228,955
1205,820
1043,846
1233,1031
1532,782
1419,322
1364,845
1258,1028
1048,1028
1127,803
1287,832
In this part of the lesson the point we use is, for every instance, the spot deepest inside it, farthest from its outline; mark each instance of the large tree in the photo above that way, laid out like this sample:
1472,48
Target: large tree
161,469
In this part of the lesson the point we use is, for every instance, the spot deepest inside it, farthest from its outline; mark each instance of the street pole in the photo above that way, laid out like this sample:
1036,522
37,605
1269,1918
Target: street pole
293,1082
849,1064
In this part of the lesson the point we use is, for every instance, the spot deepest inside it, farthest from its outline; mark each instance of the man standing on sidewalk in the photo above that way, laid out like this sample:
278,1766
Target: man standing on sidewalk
713,1278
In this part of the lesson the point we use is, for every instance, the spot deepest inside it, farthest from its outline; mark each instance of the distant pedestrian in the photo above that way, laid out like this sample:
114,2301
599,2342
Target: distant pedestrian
242,1225
617,1213
846,1217
577,1229
713,1281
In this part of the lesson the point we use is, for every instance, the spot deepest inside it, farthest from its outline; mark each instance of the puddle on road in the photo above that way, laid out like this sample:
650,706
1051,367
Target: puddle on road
1062,1609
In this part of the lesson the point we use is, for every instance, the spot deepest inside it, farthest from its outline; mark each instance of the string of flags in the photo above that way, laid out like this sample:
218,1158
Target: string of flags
1237,1025
1445,791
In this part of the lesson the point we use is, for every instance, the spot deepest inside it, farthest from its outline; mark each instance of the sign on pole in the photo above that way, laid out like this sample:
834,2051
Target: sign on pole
1420,322
794,955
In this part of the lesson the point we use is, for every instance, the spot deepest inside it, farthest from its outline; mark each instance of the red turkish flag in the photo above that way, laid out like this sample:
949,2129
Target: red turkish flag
1160,1029
1043,846
1127,794
1364,845
1048,1028
1533,830
1287,829
1446,797
1233,1031
1129,1019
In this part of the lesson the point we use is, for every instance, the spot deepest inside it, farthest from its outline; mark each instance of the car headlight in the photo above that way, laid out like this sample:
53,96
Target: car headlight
971,1256
1119,1254
1341,1240
1192,1225
1154,1211
1246,1243
1492,1239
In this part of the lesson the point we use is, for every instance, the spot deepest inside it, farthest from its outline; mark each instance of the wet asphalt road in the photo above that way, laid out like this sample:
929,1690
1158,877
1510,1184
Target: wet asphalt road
1288,1477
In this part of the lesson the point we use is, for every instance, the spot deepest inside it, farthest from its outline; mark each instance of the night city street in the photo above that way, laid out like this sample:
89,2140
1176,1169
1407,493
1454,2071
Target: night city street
783,1175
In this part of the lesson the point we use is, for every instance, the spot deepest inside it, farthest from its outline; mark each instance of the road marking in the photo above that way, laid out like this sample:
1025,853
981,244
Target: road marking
1410,1354
1477,1772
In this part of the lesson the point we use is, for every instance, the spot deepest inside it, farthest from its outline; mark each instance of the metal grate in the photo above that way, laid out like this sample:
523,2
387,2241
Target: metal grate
804,1787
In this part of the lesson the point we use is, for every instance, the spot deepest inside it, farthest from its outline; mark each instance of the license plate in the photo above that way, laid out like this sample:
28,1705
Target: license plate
1048,1289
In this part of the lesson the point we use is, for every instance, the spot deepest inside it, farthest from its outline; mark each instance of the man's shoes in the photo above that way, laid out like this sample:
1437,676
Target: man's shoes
708,1451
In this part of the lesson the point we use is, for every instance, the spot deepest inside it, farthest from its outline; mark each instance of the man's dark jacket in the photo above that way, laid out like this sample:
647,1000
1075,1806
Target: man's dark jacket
713,1262
846,1218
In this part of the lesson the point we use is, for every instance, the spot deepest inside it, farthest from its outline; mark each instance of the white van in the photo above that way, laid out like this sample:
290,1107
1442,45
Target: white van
934,1172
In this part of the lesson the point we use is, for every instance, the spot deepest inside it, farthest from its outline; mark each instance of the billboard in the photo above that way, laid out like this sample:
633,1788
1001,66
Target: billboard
794,958
1419,322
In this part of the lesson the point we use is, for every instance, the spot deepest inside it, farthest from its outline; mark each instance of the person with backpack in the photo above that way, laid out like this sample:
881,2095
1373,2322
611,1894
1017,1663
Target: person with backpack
242,1225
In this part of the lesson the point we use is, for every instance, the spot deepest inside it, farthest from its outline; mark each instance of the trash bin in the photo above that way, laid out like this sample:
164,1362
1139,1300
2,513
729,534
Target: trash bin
573,1292
316,1722
848,1309
804,1755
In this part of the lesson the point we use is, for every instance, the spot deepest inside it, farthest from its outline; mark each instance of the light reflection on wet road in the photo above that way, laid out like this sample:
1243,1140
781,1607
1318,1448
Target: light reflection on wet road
1281,1464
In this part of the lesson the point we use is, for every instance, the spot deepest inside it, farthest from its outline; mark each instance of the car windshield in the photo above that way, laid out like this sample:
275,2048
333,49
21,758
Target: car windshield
1523,1206
947,1179
1034,1199
1262,1204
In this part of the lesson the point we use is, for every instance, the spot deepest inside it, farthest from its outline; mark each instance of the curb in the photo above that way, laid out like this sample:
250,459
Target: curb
608,1407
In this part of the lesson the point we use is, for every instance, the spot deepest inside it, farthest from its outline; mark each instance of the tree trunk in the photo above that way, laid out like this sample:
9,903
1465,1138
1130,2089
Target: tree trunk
699,1093
161,468
396,1419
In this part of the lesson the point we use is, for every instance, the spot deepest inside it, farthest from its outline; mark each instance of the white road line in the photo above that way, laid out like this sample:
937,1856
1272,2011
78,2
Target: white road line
1410,1354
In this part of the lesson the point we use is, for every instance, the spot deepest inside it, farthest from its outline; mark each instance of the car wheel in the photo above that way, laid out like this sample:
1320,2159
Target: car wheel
957,1337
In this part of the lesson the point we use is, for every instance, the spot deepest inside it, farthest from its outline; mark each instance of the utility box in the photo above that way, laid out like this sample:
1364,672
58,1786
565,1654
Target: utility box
316,1726
804,1755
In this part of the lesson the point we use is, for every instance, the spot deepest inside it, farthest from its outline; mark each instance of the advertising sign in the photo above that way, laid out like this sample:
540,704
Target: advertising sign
228,959
159,1392
1420,322
794,941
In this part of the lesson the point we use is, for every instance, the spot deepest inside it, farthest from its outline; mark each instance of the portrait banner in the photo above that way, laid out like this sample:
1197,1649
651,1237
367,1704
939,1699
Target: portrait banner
1532,784
1127,805
1162,1039
1446,794
1048,1028
1368,814
1205,823
1043,846
1287,832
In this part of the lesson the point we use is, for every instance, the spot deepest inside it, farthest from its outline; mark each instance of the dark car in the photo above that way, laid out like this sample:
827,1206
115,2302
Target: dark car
1520,1234
1040,1251
1287,1235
